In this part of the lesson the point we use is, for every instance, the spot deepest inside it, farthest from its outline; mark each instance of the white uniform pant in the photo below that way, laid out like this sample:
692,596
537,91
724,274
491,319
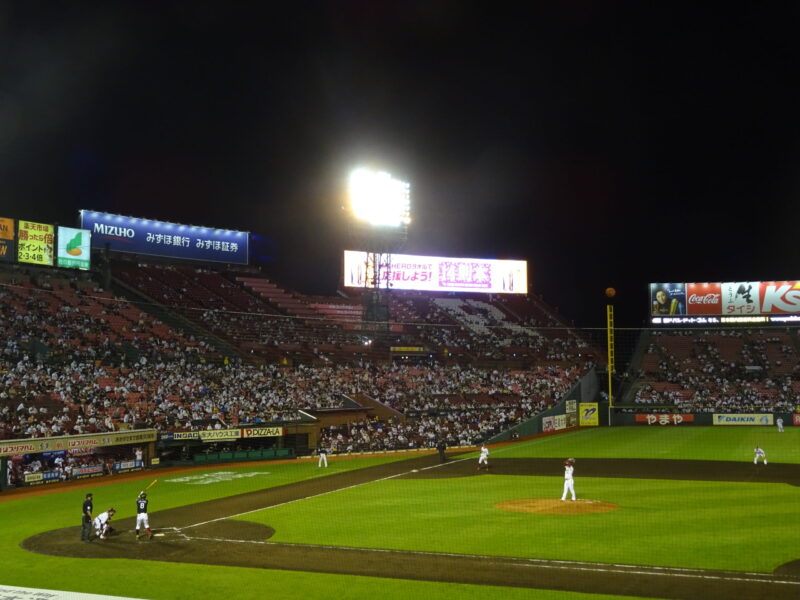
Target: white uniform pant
323,460
483,460
762,457
142,522
569,487
100,528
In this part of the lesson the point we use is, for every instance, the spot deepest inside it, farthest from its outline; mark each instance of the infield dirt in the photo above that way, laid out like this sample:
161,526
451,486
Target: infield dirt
203,533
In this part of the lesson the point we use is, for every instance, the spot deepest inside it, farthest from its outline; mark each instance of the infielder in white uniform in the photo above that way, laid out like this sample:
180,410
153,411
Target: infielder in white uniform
779,423
569,484
483,459
102,525
759,454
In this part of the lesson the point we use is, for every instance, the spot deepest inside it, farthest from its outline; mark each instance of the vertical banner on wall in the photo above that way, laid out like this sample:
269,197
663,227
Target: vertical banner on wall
7,246
74,248
35,243
588,414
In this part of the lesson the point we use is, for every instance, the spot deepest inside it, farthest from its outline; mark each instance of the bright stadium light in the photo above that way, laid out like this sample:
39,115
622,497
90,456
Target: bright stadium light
378,199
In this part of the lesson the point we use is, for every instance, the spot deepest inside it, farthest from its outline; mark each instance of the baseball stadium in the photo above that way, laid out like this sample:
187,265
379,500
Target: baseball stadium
306,446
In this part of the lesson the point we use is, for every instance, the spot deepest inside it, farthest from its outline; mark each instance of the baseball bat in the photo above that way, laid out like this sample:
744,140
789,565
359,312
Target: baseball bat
152,483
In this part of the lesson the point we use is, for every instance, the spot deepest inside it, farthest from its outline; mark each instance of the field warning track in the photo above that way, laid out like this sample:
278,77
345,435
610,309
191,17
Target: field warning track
205,534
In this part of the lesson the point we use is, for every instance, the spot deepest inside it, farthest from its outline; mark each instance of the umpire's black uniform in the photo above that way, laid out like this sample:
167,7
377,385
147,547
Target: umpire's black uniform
86,519
441,447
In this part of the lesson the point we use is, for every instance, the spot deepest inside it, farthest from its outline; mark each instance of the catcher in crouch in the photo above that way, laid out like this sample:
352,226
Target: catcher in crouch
142,520
102,523
569,484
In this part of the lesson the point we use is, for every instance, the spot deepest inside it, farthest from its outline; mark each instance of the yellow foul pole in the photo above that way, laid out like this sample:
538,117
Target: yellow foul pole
611,362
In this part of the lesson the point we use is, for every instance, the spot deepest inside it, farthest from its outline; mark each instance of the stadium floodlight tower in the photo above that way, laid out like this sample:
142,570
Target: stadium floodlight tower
381,213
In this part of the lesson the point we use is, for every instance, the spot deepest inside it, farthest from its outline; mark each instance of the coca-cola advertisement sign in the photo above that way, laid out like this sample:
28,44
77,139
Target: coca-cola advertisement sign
742,300
703,298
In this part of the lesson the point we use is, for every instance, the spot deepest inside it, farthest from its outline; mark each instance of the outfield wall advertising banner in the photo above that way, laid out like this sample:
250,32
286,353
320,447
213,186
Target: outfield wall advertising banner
216,435
260,432
736,302
7,238
170,240
436,273
665,419
74,248
35,243
733,419
589,414
73,443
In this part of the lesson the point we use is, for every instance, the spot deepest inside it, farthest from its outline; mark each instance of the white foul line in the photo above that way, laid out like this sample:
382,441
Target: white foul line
349,487
525,562
563,565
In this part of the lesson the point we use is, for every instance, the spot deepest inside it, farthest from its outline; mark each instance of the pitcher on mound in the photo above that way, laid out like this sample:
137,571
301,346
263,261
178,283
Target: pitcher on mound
569,484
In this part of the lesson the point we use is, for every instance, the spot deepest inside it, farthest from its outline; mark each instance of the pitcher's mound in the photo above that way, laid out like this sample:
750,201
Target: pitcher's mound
554,506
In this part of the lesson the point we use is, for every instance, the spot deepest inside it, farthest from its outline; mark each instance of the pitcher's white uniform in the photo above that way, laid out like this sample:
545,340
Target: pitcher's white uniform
569,484
759,454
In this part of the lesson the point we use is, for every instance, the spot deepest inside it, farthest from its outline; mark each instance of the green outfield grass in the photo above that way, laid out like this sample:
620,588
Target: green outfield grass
663,442
701,524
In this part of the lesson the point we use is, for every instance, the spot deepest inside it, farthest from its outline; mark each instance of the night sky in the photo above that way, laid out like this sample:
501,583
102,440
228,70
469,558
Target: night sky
609,144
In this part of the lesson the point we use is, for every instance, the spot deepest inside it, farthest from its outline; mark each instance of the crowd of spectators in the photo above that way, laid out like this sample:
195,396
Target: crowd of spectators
729,371
39,399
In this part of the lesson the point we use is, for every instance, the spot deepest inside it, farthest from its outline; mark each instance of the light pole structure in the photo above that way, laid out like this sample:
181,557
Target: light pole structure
380,207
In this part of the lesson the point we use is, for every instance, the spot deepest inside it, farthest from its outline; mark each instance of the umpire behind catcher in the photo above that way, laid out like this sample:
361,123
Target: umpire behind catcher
86,519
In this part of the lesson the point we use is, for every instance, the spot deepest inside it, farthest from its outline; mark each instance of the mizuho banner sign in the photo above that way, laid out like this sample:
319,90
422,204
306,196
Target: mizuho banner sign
160,238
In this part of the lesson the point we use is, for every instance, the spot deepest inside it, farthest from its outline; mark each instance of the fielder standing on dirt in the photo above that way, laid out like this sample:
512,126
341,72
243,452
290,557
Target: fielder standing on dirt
759,454
483,459
569,483
142,519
